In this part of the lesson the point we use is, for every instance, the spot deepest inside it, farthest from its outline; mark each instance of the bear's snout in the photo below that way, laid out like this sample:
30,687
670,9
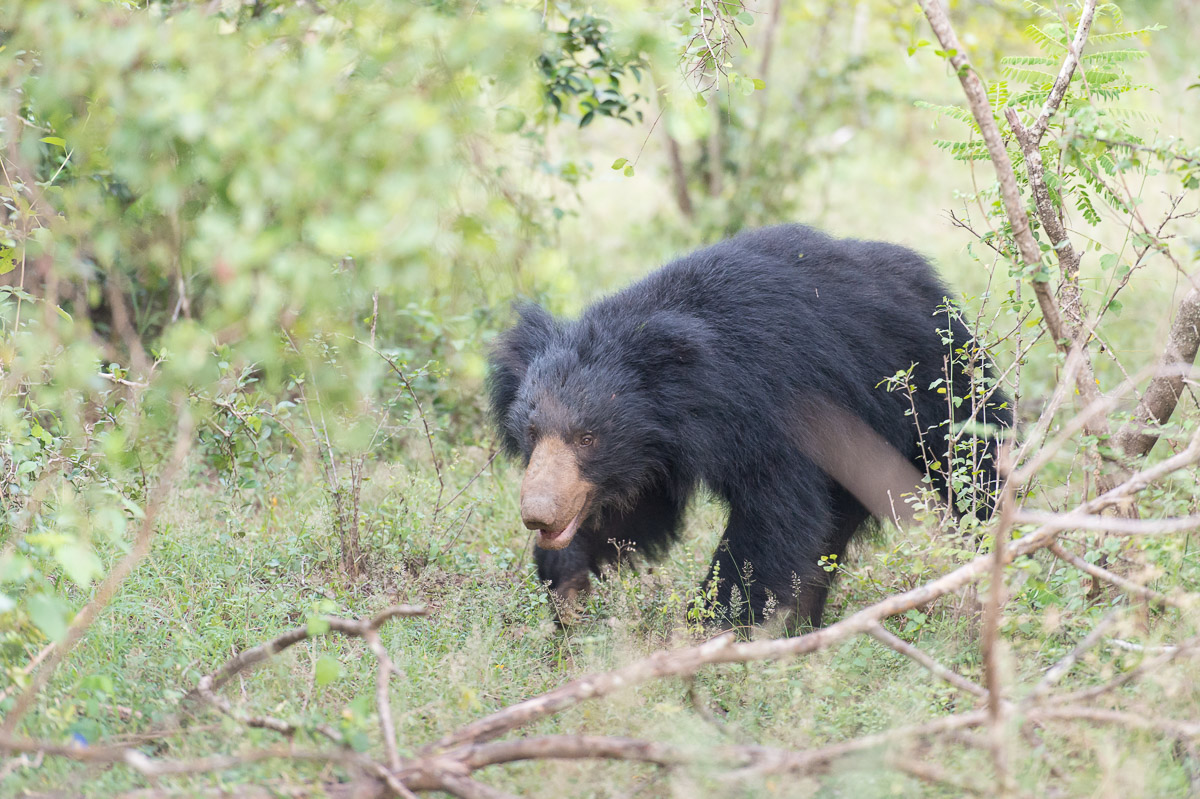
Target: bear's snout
554,495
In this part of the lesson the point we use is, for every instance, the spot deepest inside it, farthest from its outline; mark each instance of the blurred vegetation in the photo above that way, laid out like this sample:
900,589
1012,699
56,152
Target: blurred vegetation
301,222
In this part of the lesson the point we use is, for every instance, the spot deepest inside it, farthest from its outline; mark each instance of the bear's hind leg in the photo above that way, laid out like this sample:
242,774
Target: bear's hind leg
767,561
770,559
848,516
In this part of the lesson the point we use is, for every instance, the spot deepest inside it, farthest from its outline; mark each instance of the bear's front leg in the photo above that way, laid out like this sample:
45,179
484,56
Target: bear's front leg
567,571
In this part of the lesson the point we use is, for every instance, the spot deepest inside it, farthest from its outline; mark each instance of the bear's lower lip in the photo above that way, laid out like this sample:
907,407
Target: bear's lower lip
558,539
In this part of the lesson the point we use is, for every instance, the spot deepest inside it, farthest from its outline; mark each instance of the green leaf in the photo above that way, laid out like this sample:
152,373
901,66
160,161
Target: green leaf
759,84
1029,61
79,563
1109,261
952,111
1115,56
328,669
1038,8
55,140
49,614
317,625
7,262
509,119
745,18
1051,40
620,162
1104,38
629,171
1033,77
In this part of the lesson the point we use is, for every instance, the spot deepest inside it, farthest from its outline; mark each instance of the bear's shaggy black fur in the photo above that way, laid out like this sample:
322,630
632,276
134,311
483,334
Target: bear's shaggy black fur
722,369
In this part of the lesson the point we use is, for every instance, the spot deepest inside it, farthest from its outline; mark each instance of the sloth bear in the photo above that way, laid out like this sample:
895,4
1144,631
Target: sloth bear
764,368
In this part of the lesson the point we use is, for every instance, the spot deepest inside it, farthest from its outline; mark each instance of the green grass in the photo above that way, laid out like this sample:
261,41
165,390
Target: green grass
228,572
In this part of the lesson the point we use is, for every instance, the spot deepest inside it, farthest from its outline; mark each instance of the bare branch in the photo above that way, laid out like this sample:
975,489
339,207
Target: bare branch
1110,524
1068,259
1126,585
1185,648
207,686
934,775
1065,72
1068,661
885,637
466,788
383,707
1162,395
1130,646
262,722
991,625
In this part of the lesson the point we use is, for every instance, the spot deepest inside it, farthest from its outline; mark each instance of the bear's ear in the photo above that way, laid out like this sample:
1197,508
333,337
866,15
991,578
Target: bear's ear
509,360
669,341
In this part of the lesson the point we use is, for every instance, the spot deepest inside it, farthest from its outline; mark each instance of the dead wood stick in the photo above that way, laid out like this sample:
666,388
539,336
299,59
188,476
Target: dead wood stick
1111,524
1125,584
888,639
934,775
263,722
1130,646
249,658
1068,661
990,646
1185,648
206,688
467,788
383,707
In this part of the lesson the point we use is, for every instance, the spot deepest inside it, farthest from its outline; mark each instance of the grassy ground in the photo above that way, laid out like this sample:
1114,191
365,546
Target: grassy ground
232,569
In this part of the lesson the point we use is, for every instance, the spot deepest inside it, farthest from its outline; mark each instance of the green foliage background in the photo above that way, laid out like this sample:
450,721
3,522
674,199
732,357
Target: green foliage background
230,210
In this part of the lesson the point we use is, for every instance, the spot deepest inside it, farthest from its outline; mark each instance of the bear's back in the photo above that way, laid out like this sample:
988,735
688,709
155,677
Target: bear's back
794,287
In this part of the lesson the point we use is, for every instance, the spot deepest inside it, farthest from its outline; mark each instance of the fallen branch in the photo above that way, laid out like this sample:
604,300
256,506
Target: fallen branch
1111,524
883,636
207,686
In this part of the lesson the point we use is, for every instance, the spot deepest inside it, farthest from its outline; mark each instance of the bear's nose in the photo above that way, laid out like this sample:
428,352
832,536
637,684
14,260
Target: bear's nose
539,512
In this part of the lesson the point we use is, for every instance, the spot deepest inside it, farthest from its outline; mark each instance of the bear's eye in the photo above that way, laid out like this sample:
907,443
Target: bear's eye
586,440
532,431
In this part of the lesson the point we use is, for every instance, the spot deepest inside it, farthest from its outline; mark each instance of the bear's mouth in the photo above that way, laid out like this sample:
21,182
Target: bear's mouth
559,539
